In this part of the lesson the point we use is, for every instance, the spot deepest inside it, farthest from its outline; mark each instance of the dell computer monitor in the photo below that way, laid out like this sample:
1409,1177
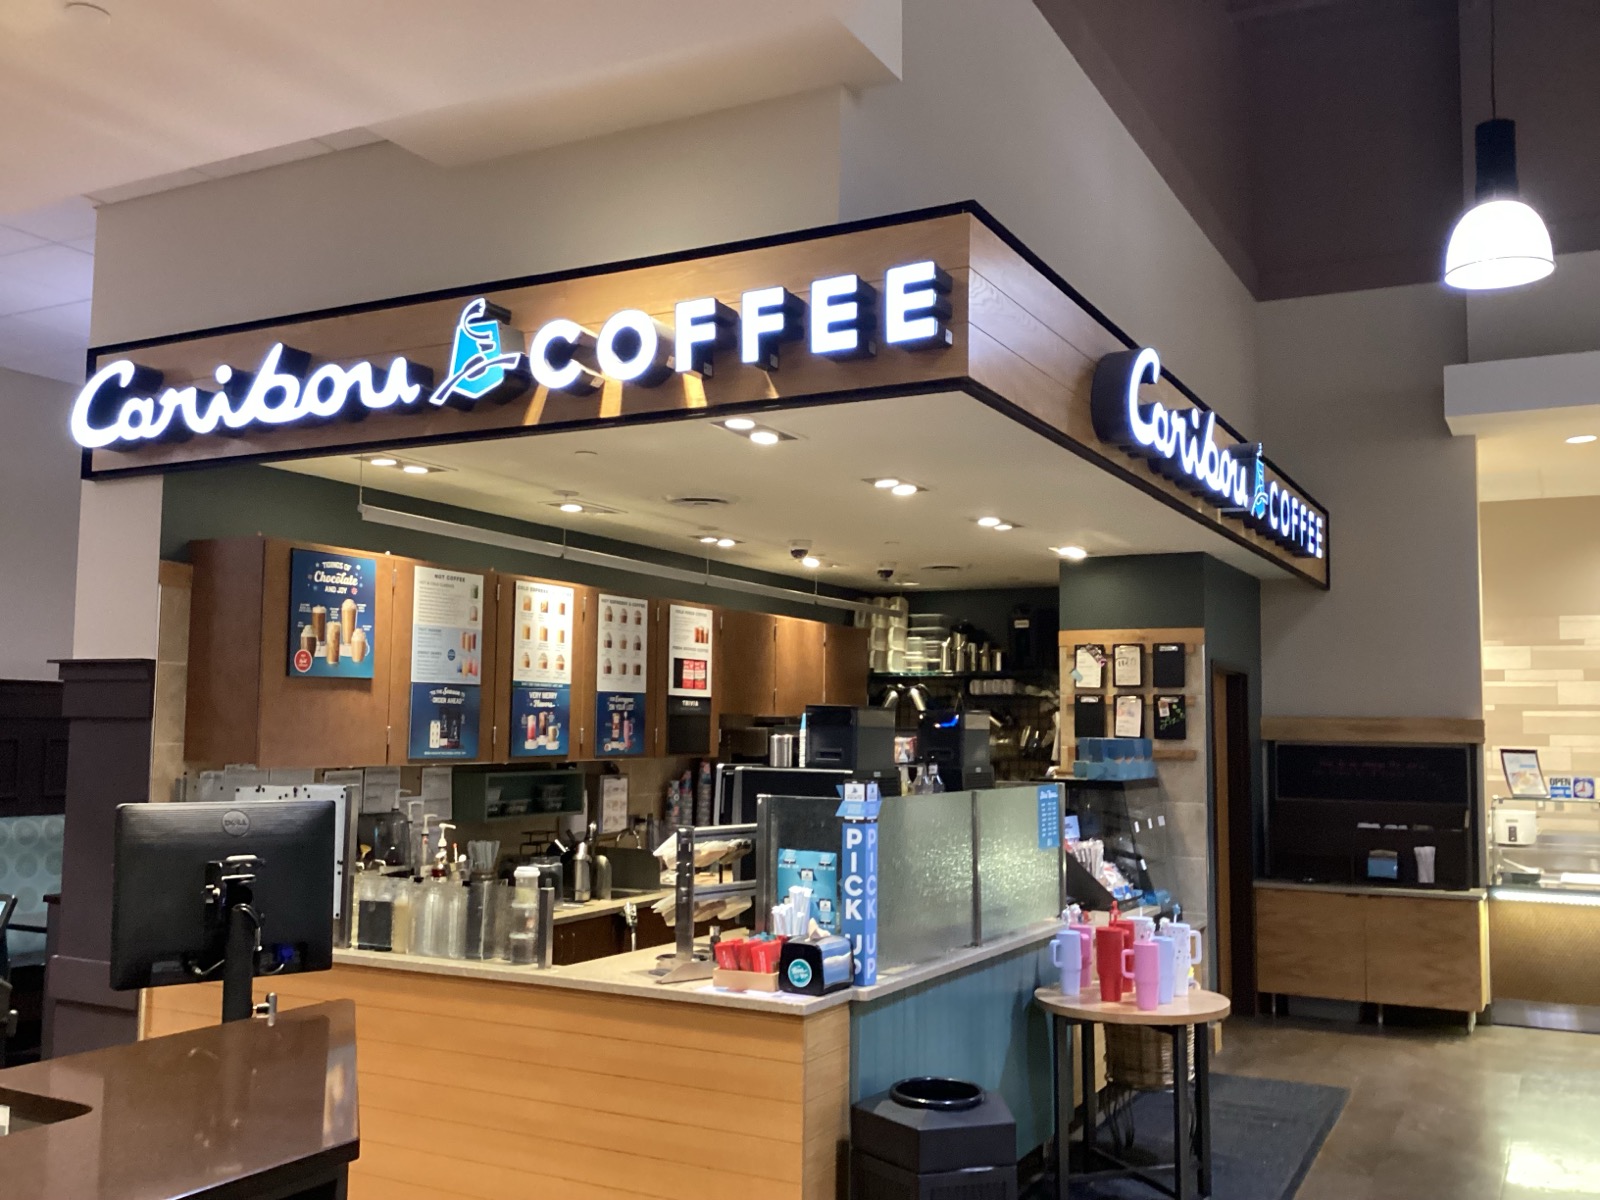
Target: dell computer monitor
164,931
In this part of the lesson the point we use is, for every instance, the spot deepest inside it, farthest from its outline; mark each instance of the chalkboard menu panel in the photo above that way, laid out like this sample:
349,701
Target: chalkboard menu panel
1386,774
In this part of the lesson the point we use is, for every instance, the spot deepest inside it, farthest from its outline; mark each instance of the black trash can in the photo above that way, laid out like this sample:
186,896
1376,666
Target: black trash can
933,1139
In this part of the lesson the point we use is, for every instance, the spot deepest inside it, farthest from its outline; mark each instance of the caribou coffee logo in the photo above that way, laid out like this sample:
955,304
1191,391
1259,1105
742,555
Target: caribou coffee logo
235,823
1181,444
125,405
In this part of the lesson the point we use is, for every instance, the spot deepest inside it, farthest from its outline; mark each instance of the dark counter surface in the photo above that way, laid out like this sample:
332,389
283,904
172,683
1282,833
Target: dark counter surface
228,1112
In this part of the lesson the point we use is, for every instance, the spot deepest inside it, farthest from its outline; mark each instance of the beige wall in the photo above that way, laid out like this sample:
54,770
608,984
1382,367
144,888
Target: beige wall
38,525
377,222
1541,632
1353,395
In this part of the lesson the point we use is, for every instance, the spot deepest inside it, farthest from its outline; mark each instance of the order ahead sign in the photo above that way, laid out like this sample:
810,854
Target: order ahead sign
125,406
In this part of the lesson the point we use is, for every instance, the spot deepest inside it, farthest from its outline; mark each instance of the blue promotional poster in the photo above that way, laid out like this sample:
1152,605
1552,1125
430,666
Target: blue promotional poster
444,721
541,669
446,663
818,871
621,673
331,615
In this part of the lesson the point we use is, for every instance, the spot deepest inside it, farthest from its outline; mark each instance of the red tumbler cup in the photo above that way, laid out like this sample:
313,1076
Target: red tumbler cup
1108,947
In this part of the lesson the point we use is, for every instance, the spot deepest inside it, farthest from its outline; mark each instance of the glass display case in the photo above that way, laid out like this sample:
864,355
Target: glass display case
1129,819
1549,845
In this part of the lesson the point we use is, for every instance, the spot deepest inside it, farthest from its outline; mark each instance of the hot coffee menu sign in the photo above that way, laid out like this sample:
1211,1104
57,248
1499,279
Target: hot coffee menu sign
942,301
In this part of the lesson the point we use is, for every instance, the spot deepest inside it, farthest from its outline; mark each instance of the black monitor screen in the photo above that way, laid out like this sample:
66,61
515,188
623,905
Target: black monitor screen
160,931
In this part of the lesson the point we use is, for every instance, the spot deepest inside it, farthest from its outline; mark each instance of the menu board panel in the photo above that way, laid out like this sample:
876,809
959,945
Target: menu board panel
542,649
622,673
446,663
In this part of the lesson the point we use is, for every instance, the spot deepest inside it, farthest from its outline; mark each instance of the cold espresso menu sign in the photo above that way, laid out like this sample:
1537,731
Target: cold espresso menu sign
541,670
331,615
689,647
446,663
622,672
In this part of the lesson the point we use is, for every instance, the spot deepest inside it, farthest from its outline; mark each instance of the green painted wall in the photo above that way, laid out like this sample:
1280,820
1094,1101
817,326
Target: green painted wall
246,500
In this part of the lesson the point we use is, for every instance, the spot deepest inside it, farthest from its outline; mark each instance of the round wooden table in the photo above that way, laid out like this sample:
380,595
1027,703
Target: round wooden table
1191,1145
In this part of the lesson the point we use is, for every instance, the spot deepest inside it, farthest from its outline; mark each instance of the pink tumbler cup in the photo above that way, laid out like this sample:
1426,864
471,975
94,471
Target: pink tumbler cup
1086,933
1142,964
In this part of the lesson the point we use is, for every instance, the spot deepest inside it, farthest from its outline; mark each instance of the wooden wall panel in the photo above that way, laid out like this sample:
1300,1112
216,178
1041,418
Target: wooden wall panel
1311,944
480,1089
223,708
746,662
1366,731
845,664
801,665
320,722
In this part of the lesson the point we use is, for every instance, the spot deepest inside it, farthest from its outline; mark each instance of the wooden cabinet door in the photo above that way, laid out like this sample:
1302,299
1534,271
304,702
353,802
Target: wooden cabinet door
1311,943
746,662
1427,953
321,722
845,662
585,940
800,665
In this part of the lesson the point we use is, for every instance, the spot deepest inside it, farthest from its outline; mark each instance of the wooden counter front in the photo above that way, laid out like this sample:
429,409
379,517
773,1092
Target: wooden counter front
478,1088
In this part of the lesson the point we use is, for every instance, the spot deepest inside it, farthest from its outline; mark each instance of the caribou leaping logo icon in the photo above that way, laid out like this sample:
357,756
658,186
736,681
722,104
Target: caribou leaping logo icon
486,359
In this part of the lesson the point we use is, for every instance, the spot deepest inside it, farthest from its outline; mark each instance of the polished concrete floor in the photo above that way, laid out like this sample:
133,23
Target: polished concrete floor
1502,1114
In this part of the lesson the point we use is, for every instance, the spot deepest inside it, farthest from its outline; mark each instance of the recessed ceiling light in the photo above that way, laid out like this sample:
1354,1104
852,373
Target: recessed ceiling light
1582,439
739,424
904,489
726,543
709,539
988,522
885,483
382,461
765,437
414,469
571,506
811,562
1004,527
1074,553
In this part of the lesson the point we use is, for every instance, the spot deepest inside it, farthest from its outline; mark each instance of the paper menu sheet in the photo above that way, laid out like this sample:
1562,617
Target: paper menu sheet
1089,664
613,803
447,627
1127,662
542,633
1130,716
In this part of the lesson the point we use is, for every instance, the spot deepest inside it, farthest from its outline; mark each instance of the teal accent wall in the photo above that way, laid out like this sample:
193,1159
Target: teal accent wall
241,501
980,1025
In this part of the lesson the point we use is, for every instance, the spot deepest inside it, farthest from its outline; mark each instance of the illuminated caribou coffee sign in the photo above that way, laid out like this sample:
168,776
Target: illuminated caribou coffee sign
1181,445
124,405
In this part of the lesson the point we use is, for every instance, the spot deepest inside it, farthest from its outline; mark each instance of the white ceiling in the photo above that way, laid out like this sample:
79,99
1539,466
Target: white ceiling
1526,457
817,487
164,93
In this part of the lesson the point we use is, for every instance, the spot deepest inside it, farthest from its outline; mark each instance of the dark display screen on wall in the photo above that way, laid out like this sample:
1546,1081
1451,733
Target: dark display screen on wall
1387,774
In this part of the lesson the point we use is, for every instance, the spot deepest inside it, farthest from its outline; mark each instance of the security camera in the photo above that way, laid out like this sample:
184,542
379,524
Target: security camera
799,547
886,571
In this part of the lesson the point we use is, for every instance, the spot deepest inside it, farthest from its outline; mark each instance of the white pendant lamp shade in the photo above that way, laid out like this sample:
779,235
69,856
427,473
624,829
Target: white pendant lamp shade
1499,242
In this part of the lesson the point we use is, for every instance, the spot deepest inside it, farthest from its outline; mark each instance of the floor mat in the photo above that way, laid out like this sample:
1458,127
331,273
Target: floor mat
1265,1134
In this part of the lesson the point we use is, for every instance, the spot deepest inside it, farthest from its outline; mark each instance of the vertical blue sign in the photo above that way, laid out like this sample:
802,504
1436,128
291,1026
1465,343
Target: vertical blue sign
1049,816
858,889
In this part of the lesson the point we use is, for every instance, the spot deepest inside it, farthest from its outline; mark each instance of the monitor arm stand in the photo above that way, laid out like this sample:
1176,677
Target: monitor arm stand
228,893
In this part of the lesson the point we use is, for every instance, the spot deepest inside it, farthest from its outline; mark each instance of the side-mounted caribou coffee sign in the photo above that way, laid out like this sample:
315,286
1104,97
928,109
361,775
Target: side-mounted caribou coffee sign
1181,445
124,405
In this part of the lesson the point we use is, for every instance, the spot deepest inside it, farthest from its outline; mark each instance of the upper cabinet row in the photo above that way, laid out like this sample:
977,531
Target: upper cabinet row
246,703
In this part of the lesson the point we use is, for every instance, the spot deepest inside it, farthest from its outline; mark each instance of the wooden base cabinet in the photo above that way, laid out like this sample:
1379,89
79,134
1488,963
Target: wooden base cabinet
1415,950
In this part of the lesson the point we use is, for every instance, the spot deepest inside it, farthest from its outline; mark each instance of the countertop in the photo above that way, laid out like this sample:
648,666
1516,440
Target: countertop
629,975
1363,889
187,1115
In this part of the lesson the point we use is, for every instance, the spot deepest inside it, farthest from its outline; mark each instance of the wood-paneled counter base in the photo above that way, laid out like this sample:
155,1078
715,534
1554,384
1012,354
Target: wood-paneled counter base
474,1087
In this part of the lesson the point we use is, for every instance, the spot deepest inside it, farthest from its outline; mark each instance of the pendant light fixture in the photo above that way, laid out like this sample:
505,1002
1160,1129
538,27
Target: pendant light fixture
1499,242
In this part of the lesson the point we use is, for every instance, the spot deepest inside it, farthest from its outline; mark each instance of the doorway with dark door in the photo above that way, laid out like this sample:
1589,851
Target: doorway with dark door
1233,837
